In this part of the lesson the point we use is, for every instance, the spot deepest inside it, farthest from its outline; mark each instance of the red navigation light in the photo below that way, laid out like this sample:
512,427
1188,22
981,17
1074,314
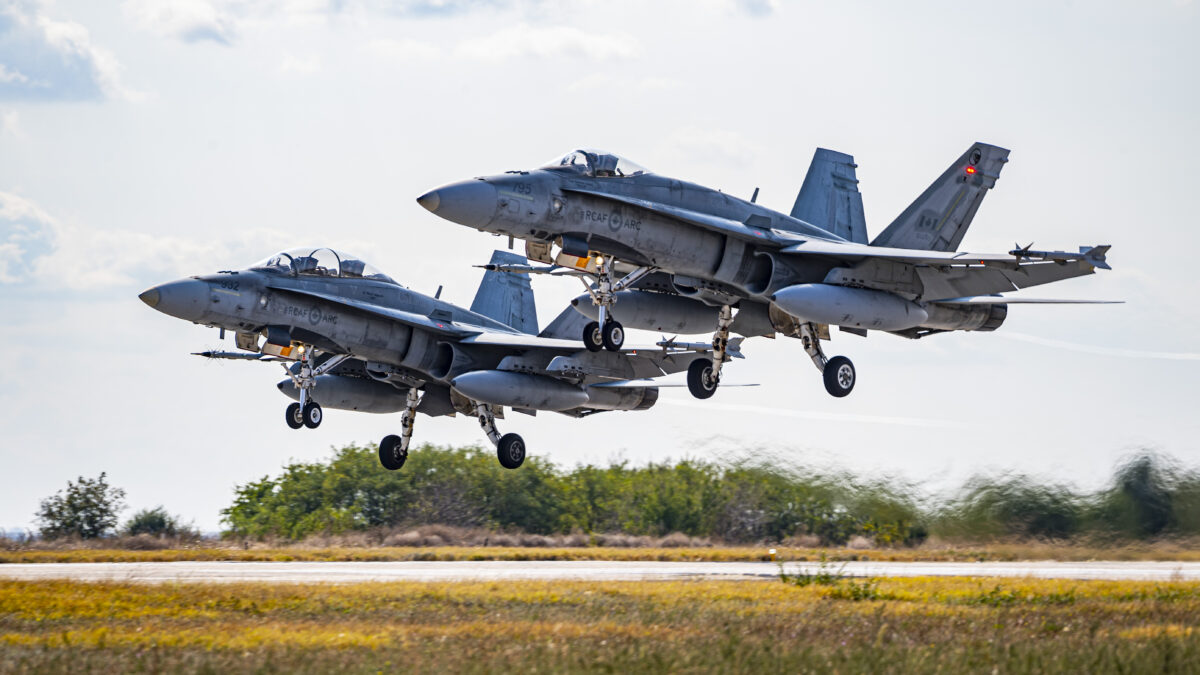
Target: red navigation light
970,169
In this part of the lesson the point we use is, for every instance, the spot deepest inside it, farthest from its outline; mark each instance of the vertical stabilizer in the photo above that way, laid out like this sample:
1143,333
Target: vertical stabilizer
829,197
507,297
939,218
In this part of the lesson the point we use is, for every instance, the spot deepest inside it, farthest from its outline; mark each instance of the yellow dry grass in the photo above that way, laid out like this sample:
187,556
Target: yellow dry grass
923,624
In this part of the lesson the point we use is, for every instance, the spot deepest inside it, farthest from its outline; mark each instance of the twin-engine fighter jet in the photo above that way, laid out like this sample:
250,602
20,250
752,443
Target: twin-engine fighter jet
664,254
354,339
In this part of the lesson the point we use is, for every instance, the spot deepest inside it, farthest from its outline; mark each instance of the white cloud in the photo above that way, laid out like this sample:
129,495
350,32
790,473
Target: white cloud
40,250
10,124
403,52
606,82
44,59
524,40
712,146
301,65
188,20
518,41
11,76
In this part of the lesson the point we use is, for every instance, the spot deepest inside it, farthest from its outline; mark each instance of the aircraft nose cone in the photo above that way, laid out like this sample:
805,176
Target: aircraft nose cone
430,201
150,297
468,202
184,299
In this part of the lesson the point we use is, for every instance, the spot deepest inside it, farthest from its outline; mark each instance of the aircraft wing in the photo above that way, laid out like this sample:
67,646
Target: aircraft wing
850,251
705,220
950,274
436,325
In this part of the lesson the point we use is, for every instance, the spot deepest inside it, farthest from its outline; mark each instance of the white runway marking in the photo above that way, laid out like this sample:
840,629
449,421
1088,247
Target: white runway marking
345,572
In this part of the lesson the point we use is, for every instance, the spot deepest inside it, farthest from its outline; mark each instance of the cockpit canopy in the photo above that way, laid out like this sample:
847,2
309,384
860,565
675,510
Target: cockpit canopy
320,262
596,164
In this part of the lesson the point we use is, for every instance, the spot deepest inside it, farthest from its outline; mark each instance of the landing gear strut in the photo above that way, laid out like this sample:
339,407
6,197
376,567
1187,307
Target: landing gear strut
607,333
837,372
510,448
393,449
704,375
308,413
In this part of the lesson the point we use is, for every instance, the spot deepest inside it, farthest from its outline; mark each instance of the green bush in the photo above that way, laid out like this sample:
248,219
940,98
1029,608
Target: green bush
156,522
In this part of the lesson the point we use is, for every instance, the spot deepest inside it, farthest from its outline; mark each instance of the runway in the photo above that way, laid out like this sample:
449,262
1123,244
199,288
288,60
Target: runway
349,572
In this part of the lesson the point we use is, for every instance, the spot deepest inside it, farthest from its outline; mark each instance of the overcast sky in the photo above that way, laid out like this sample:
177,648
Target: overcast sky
151,140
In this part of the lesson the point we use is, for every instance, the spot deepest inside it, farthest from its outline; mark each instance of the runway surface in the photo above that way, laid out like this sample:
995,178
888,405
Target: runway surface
346,572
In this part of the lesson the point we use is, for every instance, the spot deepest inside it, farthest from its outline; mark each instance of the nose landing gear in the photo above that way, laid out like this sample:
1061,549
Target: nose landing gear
607,333
308,413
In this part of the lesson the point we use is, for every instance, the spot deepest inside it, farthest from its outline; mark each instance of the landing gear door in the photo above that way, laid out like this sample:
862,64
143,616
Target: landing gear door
247,341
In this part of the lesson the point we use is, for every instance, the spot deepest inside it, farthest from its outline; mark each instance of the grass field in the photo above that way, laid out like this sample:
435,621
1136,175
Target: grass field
984,553
826,625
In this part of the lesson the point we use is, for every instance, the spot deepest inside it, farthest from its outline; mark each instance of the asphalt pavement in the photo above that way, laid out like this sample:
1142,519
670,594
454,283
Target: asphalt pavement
346,572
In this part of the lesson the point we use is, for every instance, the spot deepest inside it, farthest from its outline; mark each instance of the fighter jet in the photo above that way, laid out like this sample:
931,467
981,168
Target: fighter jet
352,338
659,253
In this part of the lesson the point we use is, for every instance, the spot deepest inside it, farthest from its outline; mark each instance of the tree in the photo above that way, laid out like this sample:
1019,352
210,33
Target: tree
86,509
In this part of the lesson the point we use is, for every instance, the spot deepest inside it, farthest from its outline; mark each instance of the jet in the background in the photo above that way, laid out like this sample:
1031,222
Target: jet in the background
663,254
351,338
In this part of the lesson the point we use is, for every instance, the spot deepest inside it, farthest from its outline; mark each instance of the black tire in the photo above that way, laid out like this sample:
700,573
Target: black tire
312,414
511,451
613,336
839,376
700,379
293,417
592,338
389,453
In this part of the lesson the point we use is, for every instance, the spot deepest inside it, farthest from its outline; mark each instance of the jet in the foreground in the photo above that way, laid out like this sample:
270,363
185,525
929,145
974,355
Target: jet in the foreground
663,254
354,339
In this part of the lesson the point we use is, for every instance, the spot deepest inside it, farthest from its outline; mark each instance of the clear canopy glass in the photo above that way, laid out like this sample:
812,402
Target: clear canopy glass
321,262
597,164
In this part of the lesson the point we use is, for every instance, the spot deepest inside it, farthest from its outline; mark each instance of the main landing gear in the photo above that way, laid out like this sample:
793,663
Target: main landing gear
510,448
607,333
837,372
308,413
704,375
393,450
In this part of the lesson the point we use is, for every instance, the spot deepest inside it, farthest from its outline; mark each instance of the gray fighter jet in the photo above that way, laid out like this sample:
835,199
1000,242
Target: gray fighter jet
662,254
351,338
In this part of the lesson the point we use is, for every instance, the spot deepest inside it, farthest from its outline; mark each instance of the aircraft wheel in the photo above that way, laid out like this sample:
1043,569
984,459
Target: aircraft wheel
293,417
700,378
613,336
511,451
389,453
839,376
312,414
593,339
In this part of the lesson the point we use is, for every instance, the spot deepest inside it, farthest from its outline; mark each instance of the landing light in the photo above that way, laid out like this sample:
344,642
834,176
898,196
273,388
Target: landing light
970,169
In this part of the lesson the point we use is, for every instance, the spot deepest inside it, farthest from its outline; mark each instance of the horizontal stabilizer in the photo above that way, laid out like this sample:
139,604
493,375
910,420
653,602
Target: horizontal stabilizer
568,325
829,197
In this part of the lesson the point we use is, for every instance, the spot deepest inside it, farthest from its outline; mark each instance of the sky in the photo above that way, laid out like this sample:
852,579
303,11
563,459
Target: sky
146,140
